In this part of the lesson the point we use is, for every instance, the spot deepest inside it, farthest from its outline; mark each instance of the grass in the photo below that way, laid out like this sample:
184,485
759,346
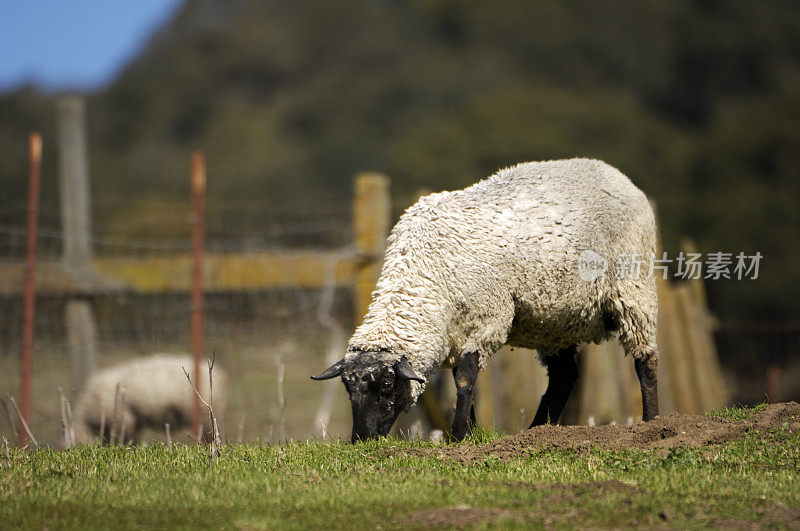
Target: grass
737,412
380,483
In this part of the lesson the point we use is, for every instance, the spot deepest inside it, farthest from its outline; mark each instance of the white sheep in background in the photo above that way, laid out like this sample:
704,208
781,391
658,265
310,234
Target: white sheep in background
468,271
155,392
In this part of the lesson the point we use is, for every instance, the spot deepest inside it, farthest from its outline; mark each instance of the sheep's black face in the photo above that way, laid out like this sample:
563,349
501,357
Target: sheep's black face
379,390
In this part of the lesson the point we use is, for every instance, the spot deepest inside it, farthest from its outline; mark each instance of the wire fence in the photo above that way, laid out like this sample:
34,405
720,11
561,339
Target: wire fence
269,339
249,329
246,229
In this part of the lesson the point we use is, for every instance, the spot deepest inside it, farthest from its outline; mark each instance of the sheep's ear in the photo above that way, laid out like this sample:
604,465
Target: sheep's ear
331,372
404,370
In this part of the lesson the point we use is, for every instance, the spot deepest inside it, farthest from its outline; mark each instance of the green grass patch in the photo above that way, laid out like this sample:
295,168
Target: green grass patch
482,435
735,412
390,483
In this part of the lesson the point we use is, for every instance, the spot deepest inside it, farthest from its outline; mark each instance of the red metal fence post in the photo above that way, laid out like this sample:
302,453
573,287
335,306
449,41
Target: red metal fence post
198,230
29,305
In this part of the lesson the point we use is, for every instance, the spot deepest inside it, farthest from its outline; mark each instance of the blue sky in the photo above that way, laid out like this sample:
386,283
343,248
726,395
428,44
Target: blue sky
73,44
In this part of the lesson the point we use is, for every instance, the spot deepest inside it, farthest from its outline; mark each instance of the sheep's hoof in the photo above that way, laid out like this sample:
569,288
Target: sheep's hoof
459,433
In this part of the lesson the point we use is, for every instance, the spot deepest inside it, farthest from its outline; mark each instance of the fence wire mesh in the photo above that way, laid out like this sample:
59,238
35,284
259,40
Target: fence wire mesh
258,334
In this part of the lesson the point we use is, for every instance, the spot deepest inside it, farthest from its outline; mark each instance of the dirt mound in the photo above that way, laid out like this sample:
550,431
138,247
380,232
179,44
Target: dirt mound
670,431
460,516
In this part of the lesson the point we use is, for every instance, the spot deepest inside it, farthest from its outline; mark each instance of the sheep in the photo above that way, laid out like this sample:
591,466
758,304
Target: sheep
155,392
527,257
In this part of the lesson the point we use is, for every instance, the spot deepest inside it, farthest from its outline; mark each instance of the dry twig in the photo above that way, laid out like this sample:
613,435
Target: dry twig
71,424
122,423
216,440
10,419
65,420
22,421
112,434
281,401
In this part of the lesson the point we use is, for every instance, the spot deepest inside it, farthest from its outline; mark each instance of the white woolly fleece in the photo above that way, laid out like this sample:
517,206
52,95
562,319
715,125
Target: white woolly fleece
154,386
497,263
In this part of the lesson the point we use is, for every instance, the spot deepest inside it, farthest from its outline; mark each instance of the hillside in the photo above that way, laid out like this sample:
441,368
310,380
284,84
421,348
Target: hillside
697,102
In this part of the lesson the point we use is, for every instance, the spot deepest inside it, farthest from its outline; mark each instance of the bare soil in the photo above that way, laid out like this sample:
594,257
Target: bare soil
669,431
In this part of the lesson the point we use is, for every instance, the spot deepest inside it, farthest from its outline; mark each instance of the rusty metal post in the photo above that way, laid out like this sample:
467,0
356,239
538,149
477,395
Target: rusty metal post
29,306
198,230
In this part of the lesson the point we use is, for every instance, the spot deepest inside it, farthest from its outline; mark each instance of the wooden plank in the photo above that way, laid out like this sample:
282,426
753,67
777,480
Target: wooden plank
169,274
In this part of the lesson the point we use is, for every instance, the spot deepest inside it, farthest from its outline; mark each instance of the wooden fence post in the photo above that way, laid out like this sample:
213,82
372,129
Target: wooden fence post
698,325
371,219
667,339
76,224
29,305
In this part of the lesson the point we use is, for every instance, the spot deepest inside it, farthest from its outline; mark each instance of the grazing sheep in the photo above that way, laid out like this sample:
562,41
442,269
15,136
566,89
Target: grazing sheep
468,271
155,392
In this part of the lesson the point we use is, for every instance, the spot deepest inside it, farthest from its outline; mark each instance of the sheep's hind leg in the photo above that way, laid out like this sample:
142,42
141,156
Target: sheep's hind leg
562,371
465,376
638,339
647,370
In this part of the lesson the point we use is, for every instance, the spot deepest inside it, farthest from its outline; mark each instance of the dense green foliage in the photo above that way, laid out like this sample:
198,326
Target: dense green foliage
699,102
382,483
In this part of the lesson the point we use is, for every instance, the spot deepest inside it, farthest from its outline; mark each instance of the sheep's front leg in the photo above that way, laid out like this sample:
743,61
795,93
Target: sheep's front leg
562,371
465,375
